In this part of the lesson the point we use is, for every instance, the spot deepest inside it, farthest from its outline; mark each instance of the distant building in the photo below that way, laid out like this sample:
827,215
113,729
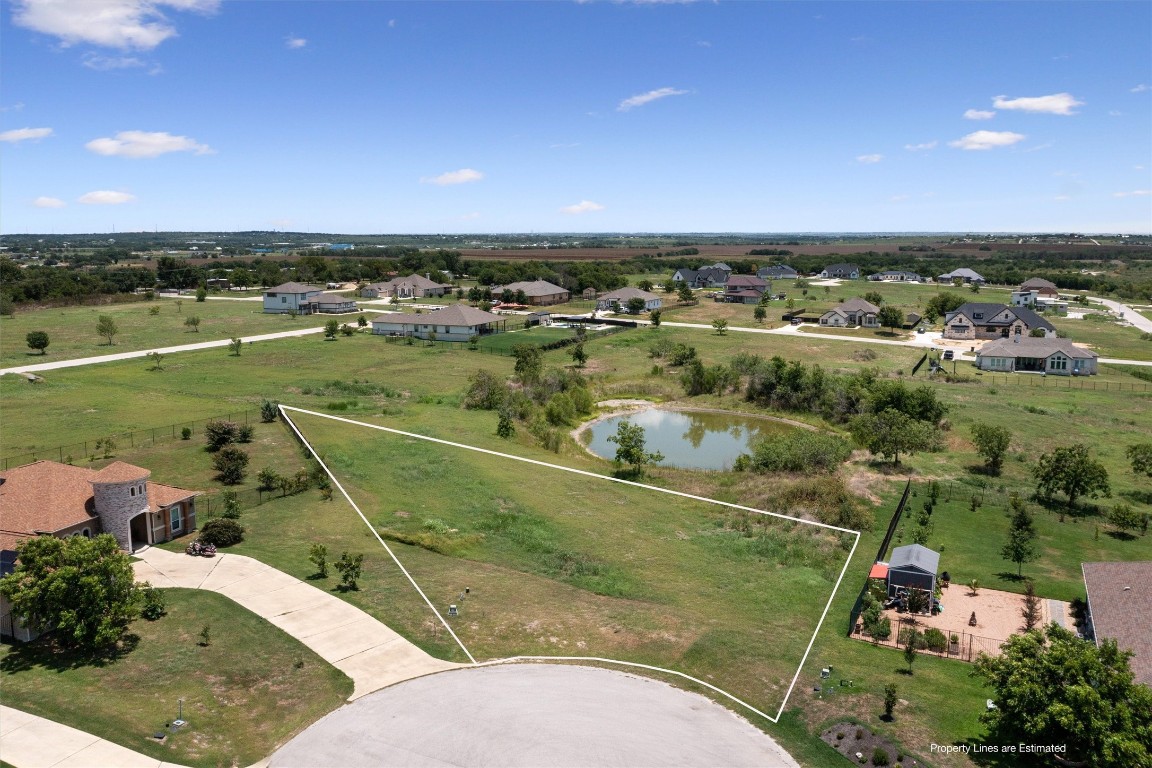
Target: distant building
538,292
745,289
976,320
777,272
841,272
1025,354
1041,286
618,299
457,322
853,312
964,274
705,277
895,276
412,287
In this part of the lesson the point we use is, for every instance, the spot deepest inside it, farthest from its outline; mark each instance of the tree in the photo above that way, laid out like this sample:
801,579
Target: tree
629,439
349,567
1021,545
992,443
318,556
891,317
267,479
1071,471
635,305
106,327
528,363
669,285
685,294
157,361
654,316
505,428
872,297
1124,518
1141,457
220,432
890,700
760,313
1031,610
81,589
486,391
201,293
943,303
37,340
579,356
231,465
362,322
910,649
1050,687
891,432
721,326
230,502
645,285
235,345
193,322
269,411
331,328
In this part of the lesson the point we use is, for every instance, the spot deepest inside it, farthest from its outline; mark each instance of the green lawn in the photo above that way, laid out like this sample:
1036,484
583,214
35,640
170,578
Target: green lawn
504,342
1106,338
240,704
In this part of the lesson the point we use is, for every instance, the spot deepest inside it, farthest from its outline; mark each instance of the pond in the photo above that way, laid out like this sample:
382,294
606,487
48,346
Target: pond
688,439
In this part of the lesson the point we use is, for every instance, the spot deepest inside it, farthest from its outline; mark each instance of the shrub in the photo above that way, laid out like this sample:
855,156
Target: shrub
220,433
231,505
186,433
269,411
349,567
486,391
152,605
230,465
268,479
935,640
801,451
318,555
222,532
880,756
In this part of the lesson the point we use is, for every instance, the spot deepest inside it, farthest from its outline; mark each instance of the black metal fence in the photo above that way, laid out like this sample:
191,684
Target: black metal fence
967,647
105,447
858,606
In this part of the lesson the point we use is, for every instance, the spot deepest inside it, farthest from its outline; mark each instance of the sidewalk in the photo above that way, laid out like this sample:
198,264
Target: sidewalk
363,648
28,741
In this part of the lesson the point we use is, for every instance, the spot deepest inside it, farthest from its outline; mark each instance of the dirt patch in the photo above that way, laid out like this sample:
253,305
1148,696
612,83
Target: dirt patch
862,479
860,745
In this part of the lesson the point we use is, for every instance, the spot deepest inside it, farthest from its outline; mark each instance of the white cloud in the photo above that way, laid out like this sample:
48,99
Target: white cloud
921,147
137,144
564,146
1055,104
641,99
49,202
1133,193
869,159
470,216
106,197
25,134
987,140
462,176
899,198
584,206
703,43
979,114
1140,88
295,42
1115,113
139,24
391,23
104,63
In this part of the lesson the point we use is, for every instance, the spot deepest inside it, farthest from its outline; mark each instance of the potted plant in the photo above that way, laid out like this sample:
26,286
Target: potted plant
954,643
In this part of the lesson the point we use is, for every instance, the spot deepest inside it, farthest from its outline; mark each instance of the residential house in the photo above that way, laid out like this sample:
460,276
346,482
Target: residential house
851,313
976,320
705,277
777,272
1120,609
841,271
1059,357
618,299
412,287
966,275
745,289
1033,298
50,498
456,322
329,304
1041,286
538,292
913,567
895,276
289,297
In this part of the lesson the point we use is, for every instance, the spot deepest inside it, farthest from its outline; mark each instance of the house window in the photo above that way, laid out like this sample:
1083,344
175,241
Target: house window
977,315
283,299
132,491
86,533
175,518
1058,363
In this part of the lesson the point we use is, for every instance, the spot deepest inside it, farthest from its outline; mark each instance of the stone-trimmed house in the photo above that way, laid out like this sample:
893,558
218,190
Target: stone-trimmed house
618,299
1120,608
777,272
457,322
968,276
851,313
705,277
538,292
1058,357
745,289
895,276
841,272
412,287
976,320
47,498
1041,286
289,297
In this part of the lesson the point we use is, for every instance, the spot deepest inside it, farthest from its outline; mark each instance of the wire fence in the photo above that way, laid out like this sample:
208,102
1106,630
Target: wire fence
1066,382
105,447
492,349
967,647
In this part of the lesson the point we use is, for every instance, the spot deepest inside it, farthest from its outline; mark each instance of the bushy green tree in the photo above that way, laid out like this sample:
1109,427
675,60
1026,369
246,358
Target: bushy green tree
486,391
269,411
1021,545
220,432
106,327
1141,457
720,325
1050,687
193,322
891,317
655,316
529,363
349,567
318,556
221,532
331,328
37,340
890,433
579,355
631,449
992,442
231,465
81,589
1071,471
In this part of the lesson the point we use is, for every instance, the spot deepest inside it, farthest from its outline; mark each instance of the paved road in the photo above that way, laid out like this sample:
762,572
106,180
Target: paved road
532,715
145,352
365,649
1129,314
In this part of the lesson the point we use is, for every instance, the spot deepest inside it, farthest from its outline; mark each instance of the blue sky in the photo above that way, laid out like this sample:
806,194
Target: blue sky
427,117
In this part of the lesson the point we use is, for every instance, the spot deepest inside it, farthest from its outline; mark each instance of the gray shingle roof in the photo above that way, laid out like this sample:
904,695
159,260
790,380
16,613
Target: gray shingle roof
1032,319
963,272
1035,283
293,288
915,555
1028,346
628,292
859,305
1120,602
530,288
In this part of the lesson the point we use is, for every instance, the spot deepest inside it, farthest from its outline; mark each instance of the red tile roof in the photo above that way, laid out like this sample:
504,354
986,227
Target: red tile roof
1120,604
119,472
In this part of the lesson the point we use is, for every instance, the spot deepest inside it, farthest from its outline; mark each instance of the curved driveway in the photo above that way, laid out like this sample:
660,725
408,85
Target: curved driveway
531,715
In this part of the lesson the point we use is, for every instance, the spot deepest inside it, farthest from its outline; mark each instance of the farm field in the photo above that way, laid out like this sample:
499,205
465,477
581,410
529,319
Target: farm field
239,705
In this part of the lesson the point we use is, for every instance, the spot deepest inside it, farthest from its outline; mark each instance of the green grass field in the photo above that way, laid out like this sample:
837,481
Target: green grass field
240,704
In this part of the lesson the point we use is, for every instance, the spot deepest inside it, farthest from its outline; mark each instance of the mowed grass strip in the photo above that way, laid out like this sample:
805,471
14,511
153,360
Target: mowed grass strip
249,691
560,564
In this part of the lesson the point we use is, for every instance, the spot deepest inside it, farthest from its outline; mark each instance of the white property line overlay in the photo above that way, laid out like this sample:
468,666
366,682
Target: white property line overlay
807,651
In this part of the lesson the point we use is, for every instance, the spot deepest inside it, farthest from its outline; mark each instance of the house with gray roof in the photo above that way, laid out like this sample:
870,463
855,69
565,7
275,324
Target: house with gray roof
618,299
841,271
537,292
982,320
964,274
1059,357
705,277
745,289
777,272
851,313
456,322
289,297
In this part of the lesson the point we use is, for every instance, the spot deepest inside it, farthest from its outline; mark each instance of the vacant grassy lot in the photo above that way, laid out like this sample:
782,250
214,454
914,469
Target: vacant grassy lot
707,310
1105,337
245,694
